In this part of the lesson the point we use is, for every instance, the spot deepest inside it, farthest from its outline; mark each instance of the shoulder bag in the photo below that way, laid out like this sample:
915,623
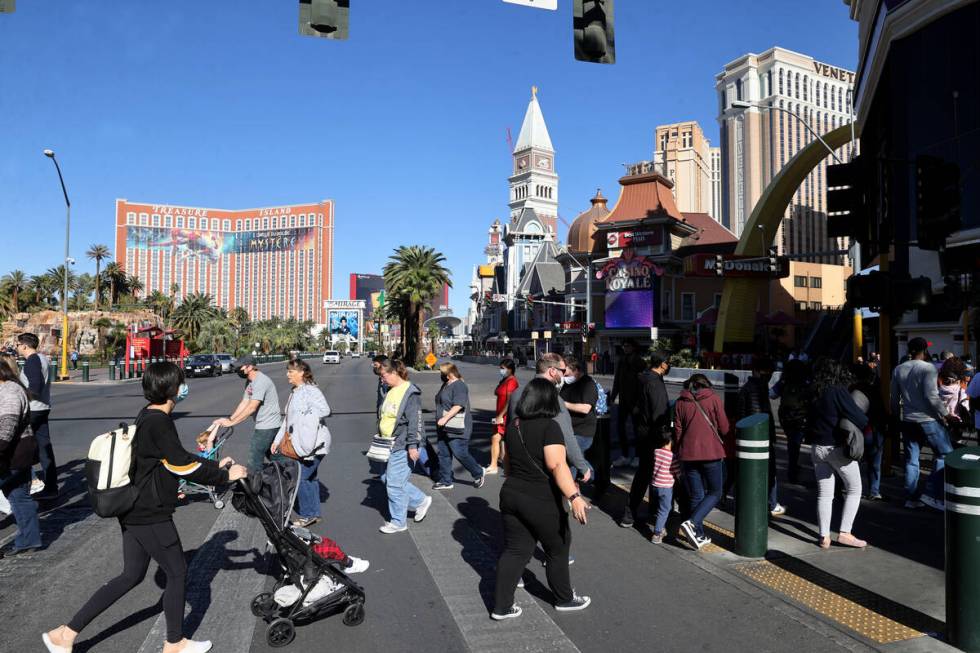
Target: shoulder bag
380,449
714,429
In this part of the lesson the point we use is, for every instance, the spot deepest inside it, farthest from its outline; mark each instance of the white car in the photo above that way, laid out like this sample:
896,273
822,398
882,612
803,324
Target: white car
331,357
356,354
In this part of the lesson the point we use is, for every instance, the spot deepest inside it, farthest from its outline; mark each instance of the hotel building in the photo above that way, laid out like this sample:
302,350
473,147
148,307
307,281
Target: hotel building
685,156
273,262
784,90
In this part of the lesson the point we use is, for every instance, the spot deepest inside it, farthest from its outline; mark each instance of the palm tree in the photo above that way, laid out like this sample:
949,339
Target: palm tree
57,277
216,335
98,252
116,277
15,283
415,274
100,324
135,285
193,312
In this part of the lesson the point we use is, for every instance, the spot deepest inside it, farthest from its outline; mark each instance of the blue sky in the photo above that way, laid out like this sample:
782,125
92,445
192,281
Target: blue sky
222,104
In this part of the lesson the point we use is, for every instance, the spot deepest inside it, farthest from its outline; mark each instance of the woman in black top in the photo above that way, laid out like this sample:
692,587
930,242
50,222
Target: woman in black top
531,501
148,529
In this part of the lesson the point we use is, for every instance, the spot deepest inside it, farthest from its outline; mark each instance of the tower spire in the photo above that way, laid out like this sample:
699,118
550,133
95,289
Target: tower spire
534,131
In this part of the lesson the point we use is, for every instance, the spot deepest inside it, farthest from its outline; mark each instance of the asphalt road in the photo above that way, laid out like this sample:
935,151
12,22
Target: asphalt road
427,589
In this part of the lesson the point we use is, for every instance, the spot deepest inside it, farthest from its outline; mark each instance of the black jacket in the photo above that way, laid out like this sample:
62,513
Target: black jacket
653,405
833,404
160,460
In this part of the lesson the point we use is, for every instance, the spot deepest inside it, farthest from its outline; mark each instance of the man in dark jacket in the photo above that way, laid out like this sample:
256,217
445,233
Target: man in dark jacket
34,376
626,386
652,417
753,397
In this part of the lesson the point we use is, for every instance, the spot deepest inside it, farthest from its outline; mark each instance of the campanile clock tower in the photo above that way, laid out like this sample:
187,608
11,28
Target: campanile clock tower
534,183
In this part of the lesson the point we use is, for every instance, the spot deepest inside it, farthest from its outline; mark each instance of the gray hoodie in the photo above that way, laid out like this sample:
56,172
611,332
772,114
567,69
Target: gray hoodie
916,391
572,451
408,422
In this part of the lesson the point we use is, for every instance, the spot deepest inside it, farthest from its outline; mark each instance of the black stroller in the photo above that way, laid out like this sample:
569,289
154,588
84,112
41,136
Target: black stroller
269,497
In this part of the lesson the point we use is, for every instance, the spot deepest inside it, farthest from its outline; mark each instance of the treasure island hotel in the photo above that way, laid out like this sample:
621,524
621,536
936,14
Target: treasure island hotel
273,262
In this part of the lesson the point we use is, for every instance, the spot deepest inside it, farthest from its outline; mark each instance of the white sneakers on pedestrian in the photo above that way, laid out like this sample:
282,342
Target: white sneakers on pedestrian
423,509
491,470
37,485
193,646
4,505
692,537
514,612
778,511
357,565
388,528
577,603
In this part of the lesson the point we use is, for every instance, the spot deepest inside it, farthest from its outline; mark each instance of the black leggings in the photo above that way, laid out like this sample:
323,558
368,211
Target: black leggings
140,543
527,521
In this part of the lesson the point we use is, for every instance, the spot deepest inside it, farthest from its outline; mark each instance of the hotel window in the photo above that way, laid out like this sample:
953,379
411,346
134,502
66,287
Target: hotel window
801,306
292,221
806,88
238,225
156,220
815,306
320,220
816,282
130,218
796,86
168,221
248,225
226,225
738,89
204,223
769,82
180,222
721,100
663,141
687,306
799,281
144,219
265,223
302,220
781,81
686,139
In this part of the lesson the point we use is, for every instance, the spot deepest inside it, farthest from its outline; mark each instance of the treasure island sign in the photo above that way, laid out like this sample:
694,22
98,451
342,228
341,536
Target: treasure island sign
629,290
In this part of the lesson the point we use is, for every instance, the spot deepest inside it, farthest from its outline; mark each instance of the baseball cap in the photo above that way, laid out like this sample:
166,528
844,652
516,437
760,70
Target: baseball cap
242,361
917,345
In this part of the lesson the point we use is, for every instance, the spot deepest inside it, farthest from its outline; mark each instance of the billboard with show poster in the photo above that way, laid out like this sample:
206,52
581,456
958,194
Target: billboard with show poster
345,322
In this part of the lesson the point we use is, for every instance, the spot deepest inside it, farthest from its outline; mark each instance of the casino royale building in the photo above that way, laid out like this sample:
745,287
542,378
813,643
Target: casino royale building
273,262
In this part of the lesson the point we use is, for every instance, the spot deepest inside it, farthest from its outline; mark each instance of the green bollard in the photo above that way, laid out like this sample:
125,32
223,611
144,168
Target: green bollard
752,487
131,369
85,371
139,368
112,370
963,548
52,370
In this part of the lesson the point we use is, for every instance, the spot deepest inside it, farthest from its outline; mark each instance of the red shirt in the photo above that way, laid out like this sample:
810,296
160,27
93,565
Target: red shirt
504,390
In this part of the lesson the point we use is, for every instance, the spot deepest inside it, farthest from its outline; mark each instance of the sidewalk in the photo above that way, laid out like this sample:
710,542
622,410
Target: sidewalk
891,595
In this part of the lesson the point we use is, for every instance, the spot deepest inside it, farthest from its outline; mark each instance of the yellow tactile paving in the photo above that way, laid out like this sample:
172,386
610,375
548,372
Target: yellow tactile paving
872,625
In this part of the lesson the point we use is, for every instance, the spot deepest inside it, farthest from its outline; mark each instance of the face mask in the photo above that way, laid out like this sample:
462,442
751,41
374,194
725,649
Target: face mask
444,377
568,380
242,373
503,372
182,393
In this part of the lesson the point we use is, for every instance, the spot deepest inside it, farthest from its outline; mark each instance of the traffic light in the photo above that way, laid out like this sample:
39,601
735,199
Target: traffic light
772,259
847,209
937,200
592,25
868,290
329,19
585,331
719,264
878,290
7,6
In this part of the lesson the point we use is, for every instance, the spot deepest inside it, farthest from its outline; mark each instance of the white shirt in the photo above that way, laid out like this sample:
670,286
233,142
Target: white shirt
973,391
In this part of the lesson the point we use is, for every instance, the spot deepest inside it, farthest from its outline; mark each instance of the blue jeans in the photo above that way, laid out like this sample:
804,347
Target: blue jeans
873,448
936,436
402,495
584,442
16,486
703,478
460,449
665,502
258,448
308,493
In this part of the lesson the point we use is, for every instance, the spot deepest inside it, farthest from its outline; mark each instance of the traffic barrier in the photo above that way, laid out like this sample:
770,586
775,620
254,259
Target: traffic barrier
752,486
963,548
85,371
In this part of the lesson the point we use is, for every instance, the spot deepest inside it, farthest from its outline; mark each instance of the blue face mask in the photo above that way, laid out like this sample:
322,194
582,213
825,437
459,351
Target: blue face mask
182,393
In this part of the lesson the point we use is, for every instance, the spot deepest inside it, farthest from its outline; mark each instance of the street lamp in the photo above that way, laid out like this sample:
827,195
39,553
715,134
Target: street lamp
63,372
742,104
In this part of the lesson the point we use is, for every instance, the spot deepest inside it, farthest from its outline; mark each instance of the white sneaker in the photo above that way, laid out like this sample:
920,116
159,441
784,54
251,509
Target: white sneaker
388,528
778,511
491,470
933,503
196,647
4,504
703,542
37,485
357,565
691,535
423,509
514,612
622,461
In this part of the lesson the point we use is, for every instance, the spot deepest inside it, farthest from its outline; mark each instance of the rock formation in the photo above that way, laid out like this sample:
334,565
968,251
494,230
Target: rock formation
82,335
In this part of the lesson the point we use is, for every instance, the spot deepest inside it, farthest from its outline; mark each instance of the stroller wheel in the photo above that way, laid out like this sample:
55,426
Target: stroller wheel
354,614
280,633
218,504
263,605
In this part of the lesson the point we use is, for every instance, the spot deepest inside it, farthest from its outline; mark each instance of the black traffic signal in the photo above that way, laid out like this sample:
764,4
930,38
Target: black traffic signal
329,19
7,6
848,215
772,265
878,290
719,264
937,200
585,331
592,24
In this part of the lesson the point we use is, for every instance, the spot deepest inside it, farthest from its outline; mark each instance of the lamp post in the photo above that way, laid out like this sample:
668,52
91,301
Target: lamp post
63,371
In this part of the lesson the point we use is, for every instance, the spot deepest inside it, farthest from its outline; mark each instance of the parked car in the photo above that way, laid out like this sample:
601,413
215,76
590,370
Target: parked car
331,357
355,354
202,365
227,361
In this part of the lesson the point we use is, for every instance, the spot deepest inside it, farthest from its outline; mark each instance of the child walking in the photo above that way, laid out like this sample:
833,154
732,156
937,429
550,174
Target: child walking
662,486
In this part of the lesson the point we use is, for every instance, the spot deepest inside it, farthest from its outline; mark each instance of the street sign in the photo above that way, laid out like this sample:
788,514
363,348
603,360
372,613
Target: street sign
547,335
499,298
534,335
537,4
706,265
654,333
431,360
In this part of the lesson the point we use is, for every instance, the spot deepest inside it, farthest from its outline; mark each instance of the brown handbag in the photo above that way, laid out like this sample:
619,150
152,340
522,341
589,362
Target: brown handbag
286,447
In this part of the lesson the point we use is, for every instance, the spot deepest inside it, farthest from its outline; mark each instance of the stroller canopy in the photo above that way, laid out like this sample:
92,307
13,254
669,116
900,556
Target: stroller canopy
275,486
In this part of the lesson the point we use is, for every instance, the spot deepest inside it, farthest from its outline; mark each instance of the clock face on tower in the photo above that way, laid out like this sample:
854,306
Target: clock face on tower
522,163
543,163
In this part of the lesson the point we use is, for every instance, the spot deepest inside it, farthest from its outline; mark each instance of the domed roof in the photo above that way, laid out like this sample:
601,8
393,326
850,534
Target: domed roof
583,227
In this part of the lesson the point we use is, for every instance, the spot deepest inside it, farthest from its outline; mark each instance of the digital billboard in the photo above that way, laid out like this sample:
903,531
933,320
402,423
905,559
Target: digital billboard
629,309
630,289
344,325
364,286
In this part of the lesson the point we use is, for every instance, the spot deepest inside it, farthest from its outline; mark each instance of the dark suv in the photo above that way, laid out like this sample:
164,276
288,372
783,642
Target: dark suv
202,365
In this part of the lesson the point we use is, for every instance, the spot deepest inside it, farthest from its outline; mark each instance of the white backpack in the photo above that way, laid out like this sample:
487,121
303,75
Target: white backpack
109,472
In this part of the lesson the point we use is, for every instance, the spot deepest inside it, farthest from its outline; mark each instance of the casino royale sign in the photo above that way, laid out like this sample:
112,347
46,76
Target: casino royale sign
629,272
